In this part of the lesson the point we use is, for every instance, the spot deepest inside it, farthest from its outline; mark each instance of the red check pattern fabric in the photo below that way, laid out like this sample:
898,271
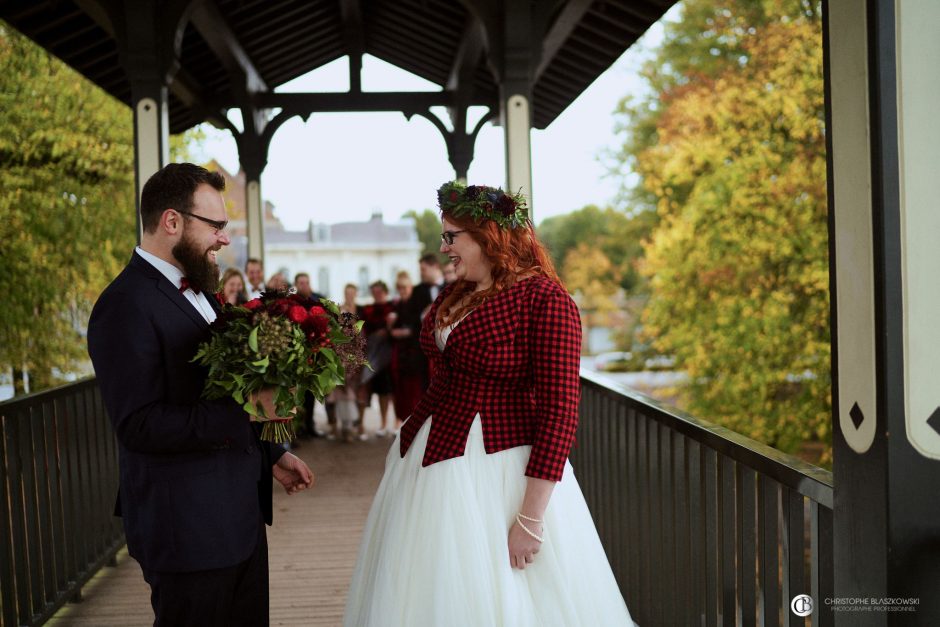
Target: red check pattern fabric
515,360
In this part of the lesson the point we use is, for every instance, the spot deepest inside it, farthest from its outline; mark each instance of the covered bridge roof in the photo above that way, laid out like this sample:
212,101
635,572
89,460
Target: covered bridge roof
275,41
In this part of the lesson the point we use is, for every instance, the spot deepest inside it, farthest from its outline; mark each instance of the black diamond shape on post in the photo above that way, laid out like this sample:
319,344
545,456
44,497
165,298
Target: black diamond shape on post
934,420
857,416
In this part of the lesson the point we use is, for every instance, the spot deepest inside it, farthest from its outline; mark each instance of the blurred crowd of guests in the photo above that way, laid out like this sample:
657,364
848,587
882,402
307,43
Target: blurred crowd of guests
399,372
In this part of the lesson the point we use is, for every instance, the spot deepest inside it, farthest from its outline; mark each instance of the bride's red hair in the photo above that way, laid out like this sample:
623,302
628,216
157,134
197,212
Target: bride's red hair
515,254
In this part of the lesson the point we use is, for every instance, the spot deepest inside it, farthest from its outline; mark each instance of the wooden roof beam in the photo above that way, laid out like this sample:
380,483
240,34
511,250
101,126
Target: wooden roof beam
221,39
468,55
364,101
354,40
565,23
462,71
190,93
183,86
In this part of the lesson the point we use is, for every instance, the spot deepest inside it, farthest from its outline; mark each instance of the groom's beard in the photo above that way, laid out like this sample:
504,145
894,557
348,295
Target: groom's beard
203,274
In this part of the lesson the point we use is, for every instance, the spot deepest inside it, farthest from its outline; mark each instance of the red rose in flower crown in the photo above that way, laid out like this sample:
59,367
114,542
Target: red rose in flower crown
275,341
505,205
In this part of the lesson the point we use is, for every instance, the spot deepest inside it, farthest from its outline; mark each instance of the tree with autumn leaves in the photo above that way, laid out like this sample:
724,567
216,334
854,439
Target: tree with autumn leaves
67,220
730,149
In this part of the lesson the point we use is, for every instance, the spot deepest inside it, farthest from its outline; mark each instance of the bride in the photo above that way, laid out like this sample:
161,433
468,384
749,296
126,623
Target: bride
479,519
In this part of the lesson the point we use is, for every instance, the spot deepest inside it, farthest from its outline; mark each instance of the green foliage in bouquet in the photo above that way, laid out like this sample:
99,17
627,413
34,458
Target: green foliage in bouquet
280,341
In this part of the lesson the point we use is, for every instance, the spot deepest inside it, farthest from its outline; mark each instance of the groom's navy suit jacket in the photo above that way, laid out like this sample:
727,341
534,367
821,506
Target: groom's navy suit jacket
195,478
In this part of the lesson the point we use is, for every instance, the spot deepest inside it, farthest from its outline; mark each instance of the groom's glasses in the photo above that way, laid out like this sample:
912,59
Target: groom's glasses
448,237
218,225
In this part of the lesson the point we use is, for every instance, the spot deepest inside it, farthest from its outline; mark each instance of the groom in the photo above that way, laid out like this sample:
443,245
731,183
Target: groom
195,479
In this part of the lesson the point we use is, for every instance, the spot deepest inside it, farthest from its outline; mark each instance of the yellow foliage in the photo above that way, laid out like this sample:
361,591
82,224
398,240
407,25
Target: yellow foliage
738,268
66,206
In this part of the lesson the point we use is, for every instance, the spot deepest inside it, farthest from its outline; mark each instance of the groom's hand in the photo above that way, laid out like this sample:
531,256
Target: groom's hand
265,396
293,473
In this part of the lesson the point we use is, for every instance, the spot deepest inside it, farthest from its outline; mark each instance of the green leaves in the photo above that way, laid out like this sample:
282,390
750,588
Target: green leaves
730,149
67,221
67,209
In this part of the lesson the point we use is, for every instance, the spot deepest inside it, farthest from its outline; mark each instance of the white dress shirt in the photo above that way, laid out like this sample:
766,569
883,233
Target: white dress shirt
174,275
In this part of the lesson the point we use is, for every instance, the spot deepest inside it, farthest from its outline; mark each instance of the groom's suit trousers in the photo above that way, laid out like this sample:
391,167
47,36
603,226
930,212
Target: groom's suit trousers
236,596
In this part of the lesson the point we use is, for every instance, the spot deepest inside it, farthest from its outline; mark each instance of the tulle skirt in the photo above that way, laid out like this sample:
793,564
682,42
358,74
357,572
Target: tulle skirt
434,550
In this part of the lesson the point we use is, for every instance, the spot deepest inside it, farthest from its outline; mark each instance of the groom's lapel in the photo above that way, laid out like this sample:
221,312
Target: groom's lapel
170,291
215,304
180,301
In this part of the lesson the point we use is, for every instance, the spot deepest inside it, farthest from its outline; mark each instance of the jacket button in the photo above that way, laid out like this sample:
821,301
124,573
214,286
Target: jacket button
249,450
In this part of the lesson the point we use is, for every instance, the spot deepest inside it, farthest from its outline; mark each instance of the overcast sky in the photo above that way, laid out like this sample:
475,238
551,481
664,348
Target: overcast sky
344,166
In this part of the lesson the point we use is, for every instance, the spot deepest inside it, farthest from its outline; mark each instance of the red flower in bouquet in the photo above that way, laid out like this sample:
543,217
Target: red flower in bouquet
279,307
297,314
315,324
275,341
316,328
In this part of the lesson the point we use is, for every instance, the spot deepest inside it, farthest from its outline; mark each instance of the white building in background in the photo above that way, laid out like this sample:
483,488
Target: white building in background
349,252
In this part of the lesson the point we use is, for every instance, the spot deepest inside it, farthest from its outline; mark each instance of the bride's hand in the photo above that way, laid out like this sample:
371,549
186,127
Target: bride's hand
522,546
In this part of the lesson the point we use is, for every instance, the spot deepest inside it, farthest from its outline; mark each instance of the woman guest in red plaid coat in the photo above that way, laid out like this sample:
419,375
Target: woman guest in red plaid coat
479,519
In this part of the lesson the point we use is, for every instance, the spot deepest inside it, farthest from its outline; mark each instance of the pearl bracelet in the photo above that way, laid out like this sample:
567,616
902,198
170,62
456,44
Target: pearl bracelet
526,529
524,517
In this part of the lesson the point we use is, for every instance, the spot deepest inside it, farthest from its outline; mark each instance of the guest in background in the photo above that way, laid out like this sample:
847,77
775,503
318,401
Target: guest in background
432,280
409,365
311,298
450,273
350,293
304,289
233,288
277,282
378,379
254,271
346,393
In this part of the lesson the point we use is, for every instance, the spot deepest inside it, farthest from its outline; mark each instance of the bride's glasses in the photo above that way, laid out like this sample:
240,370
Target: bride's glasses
448,237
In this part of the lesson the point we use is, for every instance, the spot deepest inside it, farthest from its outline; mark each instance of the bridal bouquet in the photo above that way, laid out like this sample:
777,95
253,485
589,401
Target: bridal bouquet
281,341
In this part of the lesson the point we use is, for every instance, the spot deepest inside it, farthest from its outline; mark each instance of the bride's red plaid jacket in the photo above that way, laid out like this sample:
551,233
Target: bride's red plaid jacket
515,360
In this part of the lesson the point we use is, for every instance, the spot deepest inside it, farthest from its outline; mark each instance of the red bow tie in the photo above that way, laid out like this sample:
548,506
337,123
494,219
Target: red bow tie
186,285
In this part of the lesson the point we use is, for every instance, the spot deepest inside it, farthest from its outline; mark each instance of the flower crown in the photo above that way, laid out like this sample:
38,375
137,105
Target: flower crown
483,203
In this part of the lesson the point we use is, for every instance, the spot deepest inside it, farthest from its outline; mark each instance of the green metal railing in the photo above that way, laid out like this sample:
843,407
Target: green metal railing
58,482
702,526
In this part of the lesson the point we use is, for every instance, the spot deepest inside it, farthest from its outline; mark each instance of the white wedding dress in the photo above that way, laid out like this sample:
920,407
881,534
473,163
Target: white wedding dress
434,550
